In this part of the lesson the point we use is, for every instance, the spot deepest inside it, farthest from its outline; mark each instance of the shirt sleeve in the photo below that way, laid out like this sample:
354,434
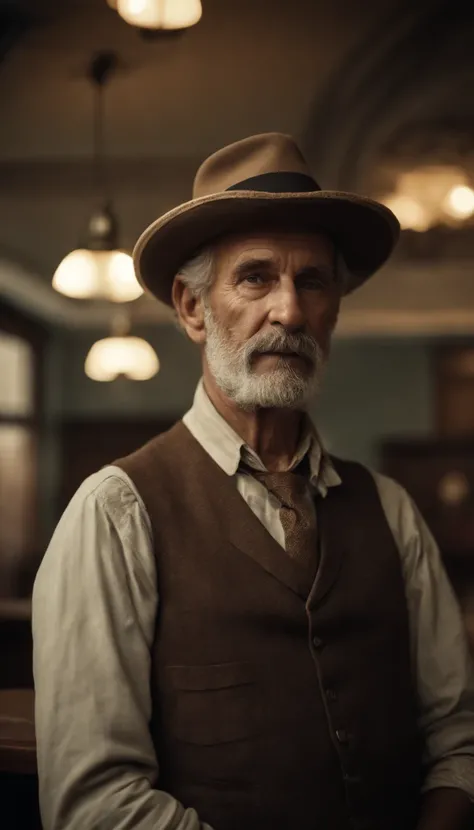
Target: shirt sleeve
442,661
94,607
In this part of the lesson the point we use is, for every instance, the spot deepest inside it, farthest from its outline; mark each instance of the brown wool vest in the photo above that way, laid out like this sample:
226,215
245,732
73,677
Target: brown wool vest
279,702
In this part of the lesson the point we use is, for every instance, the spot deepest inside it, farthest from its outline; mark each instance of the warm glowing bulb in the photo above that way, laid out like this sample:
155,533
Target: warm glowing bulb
160,14
76,276
119,280
137,6
114,356
460,202
409,212
107,275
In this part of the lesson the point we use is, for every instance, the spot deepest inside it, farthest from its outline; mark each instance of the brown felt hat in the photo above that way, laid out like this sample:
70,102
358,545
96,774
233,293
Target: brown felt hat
254,183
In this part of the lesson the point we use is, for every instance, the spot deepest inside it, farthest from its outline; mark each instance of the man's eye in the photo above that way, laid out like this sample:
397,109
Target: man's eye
316,281
254,279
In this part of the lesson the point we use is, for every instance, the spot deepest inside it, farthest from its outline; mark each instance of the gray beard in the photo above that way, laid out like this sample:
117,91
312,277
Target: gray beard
279,387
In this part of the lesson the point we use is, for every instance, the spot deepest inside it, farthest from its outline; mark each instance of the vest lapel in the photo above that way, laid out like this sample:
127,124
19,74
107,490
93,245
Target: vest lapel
334,538
243,530
249,535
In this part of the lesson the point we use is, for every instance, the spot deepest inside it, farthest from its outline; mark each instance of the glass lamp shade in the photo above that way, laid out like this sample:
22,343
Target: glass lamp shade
459,202
160,14
432,195
114,356
108,275
409,212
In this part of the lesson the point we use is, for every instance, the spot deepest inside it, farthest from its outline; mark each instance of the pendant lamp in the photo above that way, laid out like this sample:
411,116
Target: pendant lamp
121,355
99,268
166,15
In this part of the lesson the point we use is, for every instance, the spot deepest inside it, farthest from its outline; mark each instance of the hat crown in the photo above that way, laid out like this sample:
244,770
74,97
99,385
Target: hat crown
245,159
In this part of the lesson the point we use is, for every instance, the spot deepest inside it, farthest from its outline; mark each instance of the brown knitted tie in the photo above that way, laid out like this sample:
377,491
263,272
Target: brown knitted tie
297,514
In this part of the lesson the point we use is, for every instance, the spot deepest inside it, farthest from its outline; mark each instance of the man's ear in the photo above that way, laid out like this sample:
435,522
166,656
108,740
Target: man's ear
190,311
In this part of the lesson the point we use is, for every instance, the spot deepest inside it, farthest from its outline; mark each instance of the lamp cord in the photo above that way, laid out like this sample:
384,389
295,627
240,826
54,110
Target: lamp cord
100,177
101,67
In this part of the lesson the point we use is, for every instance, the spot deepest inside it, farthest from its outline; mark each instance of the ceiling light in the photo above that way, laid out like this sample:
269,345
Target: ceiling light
429,196
170,15
459,202
409,212
99,269
131,357
121,355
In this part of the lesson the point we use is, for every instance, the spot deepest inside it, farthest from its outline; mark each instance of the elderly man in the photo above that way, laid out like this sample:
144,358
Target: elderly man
232,629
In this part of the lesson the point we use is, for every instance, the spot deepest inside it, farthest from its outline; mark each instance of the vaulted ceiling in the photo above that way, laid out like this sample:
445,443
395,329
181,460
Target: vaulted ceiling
368,88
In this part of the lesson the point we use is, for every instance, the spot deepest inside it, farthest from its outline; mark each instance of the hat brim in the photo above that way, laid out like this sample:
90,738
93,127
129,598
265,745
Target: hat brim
363,230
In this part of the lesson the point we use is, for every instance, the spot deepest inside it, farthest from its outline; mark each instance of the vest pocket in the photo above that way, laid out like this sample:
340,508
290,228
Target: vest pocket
213,704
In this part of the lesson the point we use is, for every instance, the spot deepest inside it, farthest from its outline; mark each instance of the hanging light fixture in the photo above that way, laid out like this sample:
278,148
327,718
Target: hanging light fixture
459,202
121,355
431,195
99,269
167,15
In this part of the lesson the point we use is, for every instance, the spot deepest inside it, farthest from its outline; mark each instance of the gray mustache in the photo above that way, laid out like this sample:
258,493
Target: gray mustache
302,344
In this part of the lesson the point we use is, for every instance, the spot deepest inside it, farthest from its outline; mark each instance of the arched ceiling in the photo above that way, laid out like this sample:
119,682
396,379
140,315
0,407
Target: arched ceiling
367,88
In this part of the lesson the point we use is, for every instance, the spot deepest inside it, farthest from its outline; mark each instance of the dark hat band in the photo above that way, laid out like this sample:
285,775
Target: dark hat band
278,183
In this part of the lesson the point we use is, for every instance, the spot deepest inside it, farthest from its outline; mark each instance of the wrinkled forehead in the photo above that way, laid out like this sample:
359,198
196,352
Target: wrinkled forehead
306,246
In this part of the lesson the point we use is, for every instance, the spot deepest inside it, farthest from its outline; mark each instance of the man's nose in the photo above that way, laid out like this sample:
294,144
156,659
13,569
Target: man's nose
286,306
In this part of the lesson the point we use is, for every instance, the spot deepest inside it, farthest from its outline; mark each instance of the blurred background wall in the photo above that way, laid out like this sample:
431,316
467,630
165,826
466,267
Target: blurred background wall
97,112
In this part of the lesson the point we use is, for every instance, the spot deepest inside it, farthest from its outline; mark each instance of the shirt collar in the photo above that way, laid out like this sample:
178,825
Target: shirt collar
228,449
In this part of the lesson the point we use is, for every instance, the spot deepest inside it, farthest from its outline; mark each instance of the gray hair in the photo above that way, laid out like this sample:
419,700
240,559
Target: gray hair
198,274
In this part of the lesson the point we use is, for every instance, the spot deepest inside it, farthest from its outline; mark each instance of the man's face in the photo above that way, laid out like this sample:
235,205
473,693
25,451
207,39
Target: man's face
269,317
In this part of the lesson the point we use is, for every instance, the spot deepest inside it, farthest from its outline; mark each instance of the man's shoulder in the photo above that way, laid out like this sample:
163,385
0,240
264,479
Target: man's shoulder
401,513
388,488
109,488
408,527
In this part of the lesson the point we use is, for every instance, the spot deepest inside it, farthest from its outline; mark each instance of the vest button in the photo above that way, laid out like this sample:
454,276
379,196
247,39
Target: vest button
317,642
331,694
342,736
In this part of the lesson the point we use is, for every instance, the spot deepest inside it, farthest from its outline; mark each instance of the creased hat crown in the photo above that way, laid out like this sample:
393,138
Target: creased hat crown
243,160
